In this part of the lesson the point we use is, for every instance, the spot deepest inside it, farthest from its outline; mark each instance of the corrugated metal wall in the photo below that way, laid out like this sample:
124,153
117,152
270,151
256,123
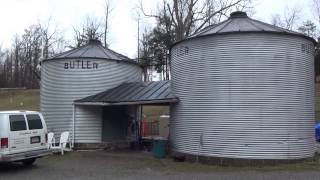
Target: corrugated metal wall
88,124
60,87
244,96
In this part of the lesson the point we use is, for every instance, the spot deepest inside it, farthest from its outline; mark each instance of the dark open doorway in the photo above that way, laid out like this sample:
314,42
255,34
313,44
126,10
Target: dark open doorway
114,123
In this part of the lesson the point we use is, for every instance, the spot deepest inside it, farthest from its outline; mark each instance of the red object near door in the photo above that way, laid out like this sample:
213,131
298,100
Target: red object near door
145,128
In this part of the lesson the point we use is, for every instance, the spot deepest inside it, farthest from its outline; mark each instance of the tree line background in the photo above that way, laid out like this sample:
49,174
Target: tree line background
174,21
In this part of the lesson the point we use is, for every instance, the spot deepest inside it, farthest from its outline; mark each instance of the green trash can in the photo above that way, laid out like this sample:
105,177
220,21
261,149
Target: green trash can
159,148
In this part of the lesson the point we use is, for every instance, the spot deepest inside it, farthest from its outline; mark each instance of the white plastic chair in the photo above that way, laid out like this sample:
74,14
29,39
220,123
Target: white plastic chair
64,140
51,140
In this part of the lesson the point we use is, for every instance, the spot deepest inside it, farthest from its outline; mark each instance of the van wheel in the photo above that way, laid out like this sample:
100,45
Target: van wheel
28,162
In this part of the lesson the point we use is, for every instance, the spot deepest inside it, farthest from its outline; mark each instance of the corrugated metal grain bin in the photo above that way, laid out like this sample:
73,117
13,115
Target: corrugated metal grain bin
76,74
246,90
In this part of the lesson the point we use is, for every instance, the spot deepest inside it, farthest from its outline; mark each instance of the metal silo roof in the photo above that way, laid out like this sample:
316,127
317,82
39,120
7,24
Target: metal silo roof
93,49
239,22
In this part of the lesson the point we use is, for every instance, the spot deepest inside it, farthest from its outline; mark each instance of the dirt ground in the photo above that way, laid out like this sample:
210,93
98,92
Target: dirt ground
96,165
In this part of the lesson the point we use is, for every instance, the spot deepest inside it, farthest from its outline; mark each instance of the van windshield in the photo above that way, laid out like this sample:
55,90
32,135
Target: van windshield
17,123
34,121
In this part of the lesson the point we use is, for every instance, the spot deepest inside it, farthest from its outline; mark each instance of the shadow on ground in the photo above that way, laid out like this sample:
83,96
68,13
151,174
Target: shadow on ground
15,167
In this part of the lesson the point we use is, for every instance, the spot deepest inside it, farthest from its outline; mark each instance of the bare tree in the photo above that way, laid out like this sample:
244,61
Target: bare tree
90,29
190,16
31,49
3,67
308,28
51,38
78,37
276,20
107,12
316,8
316,11
19,63
7,70
289,19
17,47
177,19
291,16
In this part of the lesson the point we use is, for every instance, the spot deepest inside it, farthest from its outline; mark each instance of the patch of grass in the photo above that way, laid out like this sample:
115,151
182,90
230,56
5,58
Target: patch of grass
170,165
20,99
142,160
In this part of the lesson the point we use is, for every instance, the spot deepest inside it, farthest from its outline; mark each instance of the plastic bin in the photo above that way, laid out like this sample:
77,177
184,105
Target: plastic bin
317,131
159,148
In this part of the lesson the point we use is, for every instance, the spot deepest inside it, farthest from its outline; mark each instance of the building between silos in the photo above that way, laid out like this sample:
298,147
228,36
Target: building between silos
122,108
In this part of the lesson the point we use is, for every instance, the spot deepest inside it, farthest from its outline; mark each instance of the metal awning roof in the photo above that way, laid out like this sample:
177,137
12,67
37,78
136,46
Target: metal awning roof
157,92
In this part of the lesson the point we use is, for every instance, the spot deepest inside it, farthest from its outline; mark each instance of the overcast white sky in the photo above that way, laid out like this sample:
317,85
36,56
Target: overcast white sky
16,15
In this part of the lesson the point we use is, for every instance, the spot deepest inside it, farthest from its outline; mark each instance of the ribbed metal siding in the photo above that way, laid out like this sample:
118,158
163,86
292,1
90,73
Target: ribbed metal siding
88,125
245,95
60,87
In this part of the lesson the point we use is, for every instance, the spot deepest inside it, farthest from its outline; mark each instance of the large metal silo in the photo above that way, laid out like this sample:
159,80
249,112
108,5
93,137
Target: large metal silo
76,74
246,90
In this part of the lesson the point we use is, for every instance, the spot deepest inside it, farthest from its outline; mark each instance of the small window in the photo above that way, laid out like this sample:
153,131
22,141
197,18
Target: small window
34,121
17,123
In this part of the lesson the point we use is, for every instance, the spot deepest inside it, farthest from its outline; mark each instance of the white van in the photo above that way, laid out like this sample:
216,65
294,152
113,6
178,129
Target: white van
23,136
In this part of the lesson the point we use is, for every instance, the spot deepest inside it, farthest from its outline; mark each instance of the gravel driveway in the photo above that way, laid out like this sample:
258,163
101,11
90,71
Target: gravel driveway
124,165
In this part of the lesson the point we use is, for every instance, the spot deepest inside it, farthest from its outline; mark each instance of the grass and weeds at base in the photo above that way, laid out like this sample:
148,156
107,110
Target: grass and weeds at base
20,99
309,164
